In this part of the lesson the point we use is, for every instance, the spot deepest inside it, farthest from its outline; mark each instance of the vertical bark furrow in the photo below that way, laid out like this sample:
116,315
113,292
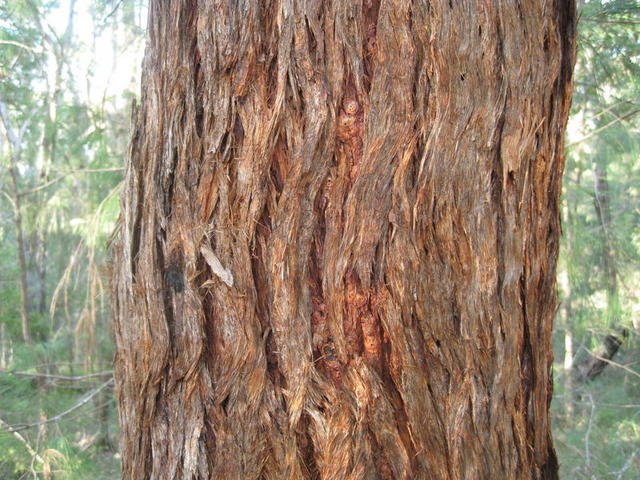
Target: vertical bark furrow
339,238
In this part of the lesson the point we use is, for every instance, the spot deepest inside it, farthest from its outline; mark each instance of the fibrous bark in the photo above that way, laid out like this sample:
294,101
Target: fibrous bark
339,239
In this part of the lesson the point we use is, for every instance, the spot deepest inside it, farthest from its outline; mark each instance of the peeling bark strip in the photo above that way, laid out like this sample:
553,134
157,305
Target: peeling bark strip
355,204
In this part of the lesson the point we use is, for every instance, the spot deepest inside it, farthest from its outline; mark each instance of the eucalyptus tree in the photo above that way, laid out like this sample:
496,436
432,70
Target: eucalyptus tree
339,237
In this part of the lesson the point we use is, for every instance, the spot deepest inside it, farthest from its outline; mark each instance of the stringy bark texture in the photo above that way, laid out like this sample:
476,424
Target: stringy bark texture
337,252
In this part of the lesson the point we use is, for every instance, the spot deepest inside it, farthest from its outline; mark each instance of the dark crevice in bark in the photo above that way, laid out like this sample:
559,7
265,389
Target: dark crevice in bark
567,32
238,131
324,350
263,293
305,442
136,228
455,315
421,354
380,459
545,42
312,41
527,379
549,471
278,170
197,80
399,408
259,274
173,284
169,184
550,108
497,173
371,10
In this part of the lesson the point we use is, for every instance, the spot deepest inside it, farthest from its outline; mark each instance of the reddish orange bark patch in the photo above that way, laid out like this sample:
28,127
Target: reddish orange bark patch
362,326
349,131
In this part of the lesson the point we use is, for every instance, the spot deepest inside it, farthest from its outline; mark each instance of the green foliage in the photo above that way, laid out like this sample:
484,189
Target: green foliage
71,446
9,293
73,131
597,423
601,438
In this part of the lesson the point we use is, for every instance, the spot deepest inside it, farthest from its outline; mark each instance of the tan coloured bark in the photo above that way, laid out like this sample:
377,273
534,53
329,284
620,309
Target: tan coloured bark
339,238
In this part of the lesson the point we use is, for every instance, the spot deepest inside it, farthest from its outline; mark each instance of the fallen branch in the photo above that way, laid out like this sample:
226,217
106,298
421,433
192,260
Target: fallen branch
615,364
83,401
63,377
604,127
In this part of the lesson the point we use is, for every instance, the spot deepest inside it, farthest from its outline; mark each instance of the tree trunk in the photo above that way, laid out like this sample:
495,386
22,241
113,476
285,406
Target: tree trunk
22,257
603,210
339,237
567,279
14,136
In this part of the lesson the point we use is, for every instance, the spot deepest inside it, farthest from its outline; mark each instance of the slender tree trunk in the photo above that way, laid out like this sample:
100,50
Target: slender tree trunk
102,400
567,311
603,210
339,238
568,357
15,140
22,258
6,348
39,243
571,257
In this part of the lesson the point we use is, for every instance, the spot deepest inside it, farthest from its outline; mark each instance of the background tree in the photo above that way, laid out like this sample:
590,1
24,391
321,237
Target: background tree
338,242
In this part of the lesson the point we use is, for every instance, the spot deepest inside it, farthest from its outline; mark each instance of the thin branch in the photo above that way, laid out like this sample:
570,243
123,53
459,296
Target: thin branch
106,373
64,175
17,44
615,364
8,128
614,22
115,9
58,364
42,187
27,121
60,288
90,170
83,401
611,107
604,127
49,37
619,405
10,199
626,466
587,449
